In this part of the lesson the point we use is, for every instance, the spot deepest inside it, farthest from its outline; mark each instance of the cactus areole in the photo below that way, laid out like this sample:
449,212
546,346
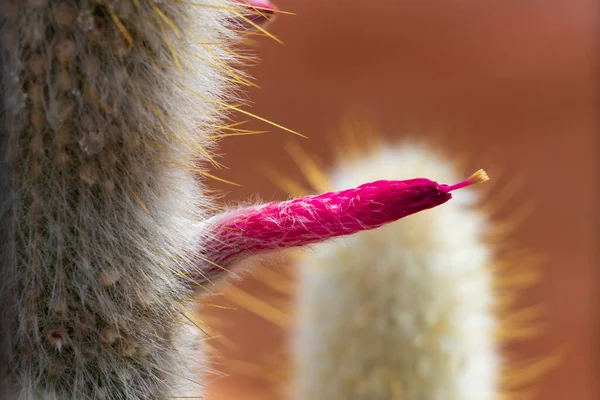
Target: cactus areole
312,219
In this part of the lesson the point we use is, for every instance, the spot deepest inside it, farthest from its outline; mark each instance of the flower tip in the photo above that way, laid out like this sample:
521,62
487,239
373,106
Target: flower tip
478,177
258,13
262,5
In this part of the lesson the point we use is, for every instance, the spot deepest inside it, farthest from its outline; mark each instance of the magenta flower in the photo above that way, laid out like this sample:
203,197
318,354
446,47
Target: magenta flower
259,13
311,219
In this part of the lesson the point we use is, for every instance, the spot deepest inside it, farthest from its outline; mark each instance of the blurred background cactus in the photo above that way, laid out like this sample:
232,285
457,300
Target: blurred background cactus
405,311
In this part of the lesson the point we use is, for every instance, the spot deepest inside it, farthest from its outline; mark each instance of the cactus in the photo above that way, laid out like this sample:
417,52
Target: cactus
404,311
107,108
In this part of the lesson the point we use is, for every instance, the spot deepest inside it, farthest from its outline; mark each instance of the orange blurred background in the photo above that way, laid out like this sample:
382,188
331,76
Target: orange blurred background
511,85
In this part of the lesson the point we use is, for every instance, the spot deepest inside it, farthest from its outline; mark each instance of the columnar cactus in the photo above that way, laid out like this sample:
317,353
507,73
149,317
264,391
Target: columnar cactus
404,311
107,106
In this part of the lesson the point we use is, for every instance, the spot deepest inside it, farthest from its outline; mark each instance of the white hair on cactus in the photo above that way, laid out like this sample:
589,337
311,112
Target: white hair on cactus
404,311
106,108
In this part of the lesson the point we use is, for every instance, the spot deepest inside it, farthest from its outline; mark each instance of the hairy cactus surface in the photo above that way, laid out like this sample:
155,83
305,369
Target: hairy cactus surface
107,107
404,311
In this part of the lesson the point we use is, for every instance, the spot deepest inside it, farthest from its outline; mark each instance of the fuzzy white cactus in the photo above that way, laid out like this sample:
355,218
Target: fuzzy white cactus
107,106
404,311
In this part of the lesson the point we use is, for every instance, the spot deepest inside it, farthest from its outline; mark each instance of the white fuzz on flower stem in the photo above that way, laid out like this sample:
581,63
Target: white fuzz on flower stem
404,311
106,108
